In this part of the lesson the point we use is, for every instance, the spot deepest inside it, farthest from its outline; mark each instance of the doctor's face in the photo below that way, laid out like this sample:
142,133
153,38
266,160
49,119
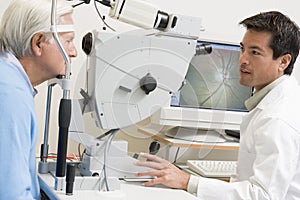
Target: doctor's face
257,66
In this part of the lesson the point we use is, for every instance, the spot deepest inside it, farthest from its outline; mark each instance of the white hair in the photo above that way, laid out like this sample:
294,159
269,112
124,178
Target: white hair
24,18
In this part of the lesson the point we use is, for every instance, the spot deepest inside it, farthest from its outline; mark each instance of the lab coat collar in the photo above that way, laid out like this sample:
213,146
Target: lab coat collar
253,101
286,86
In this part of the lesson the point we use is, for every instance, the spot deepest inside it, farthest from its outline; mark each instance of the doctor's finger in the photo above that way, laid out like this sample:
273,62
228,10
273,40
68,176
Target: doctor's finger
154,181
153,158
154,173
153,165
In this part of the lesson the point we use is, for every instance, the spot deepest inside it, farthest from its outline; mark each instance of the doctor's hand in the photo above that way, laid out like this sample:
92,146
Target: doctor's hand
164,172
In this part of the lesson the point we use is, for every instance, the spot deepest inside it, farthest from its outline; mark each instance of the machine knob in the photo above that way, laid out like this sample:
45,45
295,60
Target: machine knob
148,83
154,147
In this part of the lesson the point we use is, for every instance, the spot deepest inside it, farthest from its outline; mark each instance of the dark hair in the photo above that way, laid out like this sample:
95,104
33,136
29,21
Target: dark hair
285,34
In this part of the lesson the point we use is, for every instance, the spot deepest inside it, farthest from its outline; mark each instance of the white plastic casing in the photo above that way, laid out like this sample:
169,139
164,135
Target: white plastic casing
138,13
119,61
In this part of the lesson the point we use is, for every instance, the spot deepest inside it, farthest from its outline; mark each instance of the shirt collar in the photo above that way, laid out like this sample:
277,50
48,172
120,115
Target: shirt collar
10,58
253,101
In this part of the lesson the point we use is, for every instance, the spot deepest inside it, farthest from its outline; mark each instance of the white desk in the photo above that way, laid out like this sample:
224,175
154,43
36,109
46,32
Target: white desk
132,191
159,136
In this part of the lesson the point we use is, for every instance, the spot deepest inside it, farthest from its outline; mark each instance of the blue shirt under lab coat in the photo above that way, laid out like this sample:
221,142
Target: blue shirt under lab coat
18,132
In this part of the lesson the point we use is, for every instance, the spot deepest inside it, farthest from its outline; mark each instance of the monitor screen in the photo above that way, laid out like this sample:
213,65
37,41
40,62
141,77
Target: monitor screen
212,81
212,96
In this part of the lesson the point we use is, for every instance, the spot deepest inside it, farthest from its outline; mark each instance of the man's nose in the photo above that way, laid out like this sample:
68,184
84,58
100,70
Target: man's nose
73,52
243,58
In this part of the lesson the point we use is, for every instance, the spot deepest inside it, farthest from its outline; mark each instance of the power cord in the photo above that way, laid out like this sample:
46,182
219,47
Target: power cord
106,150
103,2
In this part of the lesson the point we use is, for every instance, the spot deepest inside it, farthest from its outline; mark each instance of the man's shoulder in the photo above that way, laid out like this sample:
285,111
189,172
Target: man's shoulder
12,80
286,109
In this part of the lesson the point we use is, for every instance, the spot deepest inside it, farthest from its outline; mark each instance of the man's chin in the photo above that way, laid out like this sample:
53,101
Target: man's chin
245,83
60,76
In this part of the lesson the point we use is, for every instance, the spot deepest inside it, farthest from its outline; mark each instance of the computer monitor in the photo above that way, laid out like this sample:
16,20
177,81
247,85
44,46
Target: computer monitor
212,97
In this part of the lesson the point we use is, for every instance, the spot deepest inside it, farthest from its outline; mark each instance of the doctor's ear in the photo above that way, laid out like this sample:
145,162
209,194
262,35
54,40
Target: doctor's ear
285,61
36,43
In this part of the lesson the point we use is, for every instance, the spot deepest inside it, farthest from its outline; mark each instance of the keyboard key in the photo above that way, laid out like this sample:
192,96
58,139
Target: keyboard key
213,168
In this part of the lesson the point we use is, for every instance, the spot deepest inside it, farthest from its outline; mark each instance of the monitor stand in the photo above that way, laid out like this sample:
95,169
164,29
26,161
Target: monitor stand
195,135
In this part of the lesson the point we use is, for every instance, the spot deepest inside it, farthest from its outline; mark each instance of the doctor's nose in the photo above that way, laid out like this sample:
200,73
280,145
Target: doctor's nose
243,58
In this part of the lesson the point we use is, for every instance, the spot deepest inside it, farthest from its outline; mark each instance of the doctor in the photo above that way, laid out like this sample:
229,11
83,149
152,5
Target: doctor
269,155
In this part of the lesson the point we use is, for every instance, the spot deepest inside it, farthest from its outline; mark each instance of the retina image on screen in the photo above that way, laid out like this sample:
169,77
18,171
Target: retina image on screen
212,81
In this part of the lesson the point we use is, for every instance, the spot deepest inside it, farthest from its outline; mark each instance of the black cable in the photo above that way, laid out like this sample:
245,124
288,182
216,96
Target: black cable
106,133
176,155
75,5
104,2
98,12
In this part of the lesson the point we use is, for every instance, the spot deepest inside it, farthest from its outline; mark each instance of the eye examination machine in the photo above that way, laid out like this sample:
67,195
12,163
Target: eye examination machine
129,77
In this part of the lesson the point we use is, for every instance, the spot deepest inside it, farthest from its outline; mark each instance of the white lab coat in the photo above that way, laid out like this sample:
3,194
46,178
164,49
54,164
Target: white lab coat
269,155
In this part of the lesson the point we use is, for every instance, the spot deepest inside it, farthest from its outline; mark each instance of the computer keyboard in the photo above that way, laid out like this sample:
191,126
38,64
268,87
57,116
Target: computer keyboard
213,168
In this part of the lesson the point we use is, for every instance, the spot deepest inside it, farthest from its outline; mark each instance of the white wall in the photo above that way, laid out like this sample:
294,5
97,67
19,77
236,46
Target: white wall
220,19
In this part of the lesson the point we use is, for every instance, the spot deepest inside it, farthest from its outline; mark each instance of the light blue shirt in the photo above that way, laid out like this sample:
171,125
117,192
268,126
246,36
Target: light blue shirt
18,132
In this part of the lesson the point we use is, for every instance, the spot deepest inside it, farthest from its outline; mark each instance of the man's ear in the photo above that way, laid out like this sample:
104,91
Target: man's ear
285,61
36,43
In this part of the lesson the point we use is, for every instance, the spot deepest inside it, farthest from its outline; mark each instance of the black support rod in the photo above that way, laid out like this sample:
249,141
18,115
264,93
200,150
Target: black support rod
64,123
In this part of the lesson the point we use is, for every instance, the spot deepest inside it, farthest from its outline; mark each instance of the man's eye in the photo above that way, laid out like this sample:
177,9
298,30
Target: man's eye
255,52
242,49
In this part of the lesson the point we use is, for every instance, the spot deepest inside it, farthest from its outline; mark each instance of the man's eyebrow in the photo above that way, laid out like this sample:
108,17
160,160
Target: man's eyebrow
252,47
68,34
256,47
